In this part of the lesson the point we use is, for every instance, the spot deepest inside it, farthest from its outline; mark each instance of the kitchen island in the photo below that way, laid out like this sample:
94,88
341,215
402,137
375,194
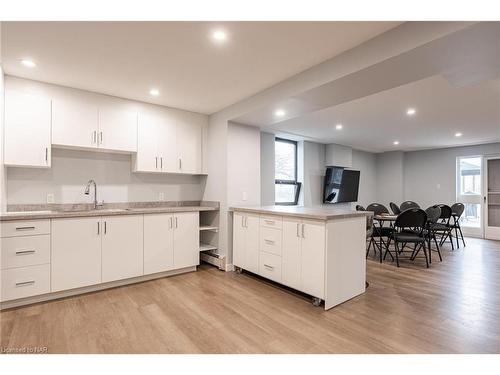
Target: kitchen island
319,251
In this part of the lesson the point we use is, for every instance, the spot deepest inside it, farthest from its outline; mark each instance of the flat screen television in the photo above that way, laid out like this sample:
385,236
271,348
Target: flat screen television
341,185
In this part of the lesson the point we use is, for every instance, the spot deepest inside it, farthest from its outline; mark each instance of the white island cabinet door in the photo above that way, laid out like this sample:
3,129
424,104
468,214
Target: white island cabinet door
313,257
239,240
74,123
186,239
117,130
158,243
252,224
27,130
188,134
75,253
122,247
291,251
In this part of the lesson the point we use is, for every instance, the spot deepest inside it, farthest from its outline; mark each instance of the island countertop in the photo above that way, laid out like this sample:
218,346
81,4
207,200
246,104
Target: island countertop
317,212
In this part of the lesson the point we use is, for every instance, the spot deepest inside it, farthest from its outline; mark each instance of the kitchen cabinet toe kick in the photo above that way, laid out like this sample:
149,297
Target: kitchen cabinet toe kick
92,288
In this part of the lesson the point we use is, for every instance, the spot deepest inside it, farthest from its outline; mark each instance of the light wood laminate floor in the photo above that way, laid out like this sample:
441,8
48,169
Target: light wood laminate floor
453,307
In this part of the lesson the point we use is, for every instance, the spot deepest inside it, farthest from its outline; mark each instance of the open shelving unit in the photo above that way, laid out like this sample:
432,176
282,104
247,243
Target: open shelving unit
209,239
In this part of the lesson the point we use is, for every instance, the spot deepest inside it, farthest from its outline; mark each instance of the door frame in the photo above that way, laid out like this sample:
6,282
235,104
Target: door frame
468,231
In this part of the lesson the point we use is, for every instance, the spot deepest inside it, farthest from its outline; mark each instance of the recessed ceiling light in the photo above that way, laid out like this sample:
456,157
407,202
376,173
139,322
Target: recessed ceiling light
411,111
338,126
458,134
28,63
395,143
154,92
279,113
219,35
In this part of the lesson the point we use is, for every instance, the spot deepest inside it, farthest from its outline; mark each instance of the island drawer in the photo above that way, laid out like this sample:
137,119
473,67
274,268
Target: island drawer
25,251
271,221
270,240
25,282
270,266
17,228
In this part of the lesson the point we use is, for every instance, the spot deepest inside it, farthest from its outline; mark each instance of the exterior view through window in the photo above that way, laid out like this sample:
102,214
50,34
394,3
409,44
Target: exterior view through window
469,190
287,188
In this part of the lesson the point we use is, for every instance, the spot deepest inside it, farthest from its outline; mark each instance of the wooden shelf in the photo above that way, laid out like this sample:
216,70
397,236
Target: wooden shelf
207,247
208,227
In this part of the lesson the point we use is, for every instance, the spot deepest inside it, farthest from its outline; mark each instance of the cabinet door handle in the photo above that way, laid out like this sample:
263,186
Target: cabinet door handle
98,228
101,137
46,155
25,283
156,162
176,222
271,222
105,227
161,162
243,221
268,266
171,224
25,252
271,242
180,163
298,230
303,236
25,228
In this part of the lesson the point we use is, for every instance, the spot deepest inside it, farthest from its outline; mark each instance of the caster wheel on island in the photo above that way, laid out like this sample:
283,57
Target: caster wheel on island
316,302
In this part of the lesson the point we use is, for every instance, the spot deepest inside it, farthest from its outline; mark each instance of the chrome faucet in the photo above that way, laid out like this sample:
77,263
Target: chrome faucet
87,192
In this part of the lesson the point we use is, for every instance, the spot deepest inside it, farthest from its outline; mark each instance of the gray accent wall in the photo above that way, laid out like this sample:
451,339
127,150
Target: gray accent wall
390,178
430,175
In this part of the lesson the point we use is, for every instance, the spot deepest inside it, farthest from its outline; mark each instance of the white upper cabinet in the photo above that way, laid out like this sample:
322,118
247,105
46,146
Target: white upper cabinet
168,144
188,135
117,129
167,148
74,123
27,130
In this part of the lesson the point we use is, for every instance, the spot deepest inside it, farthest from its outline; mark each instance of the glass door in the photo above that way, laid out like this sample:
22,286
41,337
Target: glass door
492,198
470,193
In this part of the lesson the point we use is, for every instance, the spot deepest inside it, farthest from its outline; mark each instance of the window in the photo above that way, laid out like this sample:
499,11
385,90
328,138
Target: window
287,189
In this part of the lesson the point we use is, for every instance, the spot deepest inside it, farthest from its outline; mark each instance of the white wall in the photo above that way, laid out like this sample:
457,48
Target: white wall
115,183
243,165
71,169
366,163
314,170
390,181
267,169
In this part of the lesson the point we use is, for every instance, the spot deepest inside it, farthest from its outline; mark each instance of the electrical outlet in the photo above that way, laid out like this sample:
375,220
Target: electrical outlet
161,196
50,198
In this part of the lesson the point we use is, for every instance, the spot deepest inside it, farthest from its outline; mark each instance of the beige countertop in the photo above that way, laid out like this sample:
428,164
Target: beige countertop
319,212
88,212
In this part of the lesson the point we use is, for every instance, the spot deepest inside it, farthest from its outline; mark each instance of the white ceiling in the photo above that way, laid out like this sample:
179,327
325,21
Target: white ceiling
126,59
374,122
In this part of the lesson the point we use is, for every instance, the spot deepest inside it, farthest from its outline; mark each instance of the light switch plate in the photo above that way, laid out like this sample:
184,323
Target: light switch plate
50,198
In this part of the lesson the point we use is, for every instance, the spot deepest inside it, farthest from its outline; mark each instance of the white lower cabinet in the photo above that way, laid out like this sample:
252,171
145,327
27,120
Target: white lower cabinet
76,253
122,247
158,243
288,250
246,241
186,239
171,241
25,282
